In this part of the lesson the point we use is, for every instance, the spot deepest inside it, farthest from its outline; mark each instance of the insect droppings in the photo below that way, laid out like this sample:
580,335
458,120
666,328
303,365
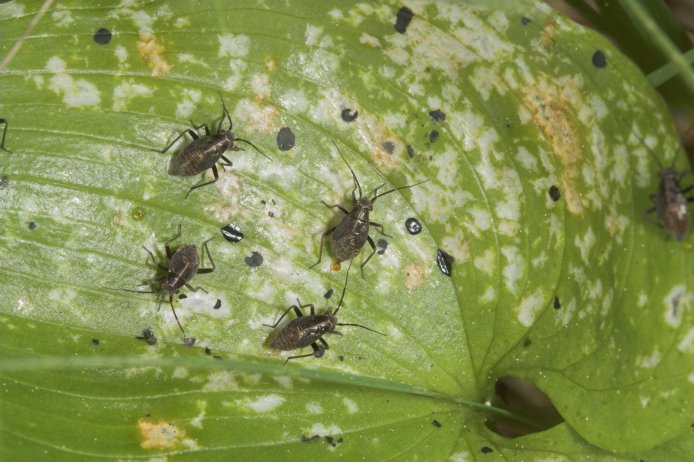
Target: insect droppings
254,260
413,226
557,303
436,423
148,336
102,36
410,151
350,235
445,262
437,115
486,450
232,233
554,193
205,151
381,246
348,115
95,341
304,331
328,294
285,139
389,147
32,225
217,305
599,59
403,18
525,21
433,136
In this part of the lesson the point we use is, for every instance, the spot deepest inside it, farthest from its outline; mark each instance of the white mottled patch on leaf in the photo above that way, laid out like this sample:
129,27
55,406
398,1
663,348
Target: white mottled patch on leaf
265,403
235,46
686,345
486,262
62,18
325,430
462,456
368,39
585,244
351,405
75,93
261,85
180,373
314,408
221,381
285,381
529,307
186,108
488,296
649,362
676,302
312,34
127,90
514,268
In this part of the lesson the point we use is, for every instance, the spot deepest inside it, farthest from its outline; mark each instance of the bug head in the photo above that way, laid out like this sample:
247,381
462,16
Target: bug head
364,203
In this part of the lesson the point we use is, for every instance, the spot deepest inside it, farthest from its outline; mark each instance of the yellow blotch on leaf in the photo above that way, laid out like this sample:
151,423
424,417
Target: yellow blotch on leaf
159,435
153,54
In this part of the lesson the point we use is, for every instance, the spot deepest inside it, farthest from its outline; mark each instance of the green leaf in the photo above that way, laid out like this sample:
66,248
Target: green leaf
525,109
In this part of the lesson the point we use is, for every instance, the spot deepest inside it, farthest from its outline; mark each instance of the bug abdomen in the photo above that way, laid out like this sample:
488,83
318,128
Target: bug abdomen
299,333
348,239
197,157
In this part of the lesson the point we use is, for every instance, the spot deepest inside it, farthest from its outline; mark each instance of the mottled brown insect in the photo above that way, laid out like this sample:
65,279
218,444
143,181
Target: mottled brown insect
309,330
205,151
4,133
184,265
350,235
670,202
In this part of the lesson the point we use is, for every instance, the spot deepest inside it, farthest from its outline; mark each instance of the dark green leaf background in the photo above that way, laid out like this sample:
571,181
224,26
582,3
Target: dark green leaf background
525,109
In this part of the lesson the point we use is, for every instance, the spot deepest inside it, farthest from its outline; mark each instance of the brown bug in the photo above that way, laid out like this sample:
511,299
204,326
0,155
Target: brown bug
4,133
670,202
350,235
309,330
205,151
184,264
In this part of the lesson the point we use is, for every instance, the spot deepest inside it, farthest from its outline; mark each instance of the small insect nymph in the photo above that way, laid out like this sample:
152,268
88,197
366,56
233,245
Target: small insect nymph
4,133
670,202
205,151
350,235
184,265
309,330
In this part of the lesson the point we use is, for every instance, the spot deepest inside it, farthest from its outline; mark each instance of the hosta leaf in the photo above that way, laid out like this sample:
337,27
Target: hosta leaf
531,131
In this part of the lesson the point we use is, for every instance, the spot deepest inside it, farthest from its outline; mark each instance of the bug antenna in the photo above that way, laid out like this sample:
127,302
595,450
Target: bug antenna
254,147
650,151
356,182
396,189
224,107
344,289
133,291
363,327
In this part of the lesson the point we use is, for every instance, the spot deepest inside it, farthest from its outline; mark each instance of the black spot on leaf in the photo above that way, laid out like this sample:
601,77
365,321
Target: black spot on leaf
285,139
599,59
348,115
403,19
102,36
254,260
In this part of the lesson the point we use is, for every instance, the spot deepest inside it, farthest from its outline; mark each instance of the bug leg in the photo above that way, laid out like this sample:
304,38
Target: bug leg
167,246
252,145
310,305
379,227
185,339
320,252
207,270
375,191
151,255
4,132
188,131
195,289
298,312
325,344
373,251
198,127
228,162
216,177
336,206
